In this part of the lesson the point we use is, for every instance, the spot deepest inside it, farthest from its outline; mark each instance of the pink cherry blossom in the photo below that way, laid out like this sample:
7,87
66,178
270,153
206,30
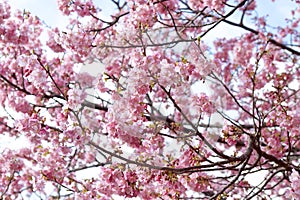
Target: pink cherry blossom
184,100
295,185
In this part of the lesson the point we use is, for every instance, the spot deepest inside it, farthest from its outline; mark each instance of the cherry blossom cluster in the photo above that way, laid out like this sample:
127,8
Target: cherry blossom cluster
145,125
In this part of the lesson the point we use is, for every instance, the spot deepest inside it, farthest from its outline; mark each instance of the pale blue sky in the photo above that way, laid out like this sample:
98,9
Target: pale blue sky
45,10
48,12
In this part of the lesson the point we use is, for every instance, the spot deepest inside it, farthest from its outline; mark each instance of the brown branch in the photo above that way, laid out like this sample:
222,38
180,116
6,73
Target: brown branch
271,40
224,17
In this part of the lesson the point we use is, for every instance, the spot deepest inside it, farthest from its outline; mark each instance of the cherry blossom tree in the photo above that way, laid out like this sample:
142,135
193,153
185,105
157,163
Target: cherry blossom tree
144,127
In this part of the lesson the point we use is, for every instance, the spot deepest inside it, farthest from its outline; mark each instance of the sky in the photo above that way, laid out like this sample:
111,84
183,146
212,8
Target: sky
45,10
48,12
